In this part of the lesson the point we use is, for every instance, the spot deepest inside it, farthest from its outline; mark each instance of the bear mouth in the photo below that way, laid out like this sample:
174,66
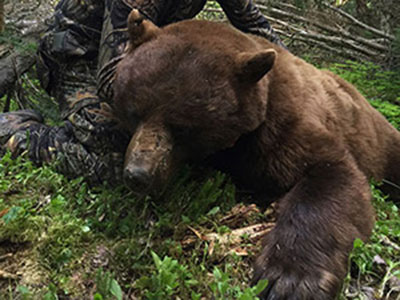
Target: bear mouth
139,181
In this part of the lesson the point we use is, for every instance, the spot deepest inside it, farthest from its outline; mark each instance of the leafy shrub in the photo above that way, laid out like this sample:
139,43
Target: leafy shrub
107,287
373,82
166,280
222,287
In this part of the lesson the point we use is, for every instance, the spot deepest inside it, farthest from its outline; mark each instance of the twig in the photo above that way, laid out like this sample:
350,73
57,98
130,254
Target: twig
5,256
7,275
388,242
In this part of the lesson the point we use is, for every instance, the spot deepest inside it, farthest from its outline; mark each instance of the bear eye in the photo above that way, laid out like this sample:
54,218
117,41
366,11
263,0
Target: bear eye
133,113
180,131
183,131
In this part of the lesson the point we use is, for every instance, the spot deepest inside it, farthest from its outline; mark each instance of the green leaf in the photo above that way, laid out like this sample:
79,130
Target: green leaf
195,296
116,289
85,228
143,282
247,296
23,290
97,296
156,259
50,296
260,286
217,273
213,211
357,243
185,219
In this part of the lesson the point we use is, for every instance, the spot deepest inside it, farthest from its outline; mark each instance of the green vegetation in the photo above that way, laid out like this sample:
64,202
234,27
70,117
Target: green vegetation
76,238
376,263
60,238
373,82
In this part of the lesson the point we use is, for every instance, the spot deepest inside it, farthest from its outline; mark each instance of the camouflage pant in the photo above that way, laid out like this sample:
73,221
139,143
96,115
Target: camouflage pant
76,65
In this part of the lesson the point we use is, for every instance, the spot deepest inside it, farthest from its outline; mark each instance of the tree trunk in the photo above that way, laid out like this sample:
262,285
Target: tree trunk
1,16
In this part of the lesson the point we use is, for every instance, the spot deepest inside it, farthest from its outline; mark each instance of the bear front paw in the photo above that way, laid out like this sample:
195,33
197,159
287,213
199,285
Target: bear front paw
297,284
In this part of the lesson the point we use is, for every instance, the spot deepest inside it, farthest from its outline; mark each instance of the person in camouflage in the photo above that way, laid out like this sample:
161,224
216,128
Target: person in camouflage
77,61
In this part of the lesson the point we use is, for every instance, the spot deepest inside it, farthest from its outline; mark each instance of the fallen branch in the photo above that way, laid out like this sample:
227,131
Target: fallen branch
253,232
333,30
342,13
233,238
359,23
324,46
337,40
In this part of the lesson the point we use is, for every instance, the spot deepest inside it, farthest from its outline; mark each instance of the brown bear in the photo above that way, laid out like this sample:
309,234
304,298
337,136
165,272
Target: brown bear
205,91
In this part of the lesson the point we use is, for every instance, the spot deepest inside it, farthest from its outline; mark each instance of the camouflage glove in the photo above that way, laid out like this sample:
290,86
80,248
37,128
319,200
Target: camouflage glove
96,145
89,144
12,122
21,132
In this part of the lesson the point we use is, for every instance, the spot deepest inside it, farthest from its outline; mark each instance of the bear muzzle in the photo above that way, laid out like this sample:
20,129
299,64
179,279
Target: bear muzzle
138,179
148,157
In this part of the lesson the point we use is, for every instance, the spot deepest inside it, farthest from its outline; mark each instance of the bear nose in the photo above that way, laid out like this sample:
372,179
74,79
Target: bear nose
137,179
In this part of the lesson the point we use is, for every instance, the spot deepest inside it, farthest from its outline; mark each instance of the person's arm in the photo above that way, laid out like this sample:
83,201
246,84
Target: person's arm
244,15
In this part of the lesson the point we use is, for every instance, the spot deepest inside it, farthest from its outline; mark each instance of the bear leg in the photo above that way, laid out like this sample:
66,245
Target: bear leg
306,255
391,180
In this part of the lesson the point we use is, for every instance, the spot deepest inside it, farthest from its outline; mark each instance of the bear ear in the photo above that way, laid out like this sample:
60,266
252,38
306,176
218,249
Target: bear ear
140,30
251,67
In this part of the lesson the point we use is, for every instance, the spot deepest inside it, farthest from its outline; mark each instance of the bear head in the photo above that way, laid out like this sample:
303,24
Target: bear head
186,91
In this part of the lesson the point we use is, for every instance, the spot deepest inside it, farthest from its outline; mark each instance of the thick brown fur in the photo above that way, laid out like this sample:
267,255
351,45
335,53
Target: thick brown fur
277,124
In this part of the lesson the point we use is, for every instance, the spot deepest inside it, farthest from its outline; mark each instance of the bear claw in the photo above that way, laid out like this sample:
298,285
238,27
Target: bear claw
294,286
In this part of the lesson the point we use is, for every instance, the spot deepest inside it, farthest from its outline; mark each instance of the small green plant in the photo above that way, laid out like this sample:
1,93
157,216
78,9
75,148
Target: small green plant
222,288
166,280
51,293
24,292
107,287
